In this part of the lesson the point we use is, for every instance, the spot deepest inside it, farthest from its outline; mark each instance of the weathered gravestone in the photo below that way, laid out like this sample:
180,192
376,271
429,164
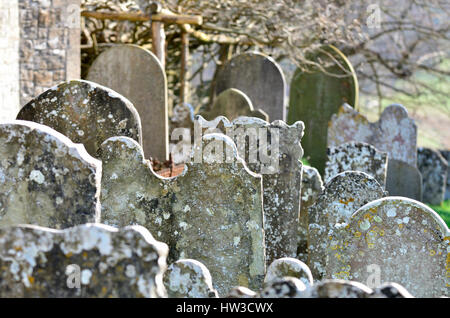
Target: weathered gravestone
212,212
260,78
446,155
90,260
137,74
433,167
274,151
85,112
291,267
241,292
393,239
188,278
315,96
233,103
311,188
343,195
337,288
403,180
45,179
284,287
390,290
356,156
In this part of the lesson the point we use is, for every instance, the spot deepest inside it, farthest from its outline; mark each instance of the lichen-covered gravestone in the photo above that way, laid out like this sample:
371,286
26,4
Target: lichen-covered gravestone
188,278
45,179
212,212
337,288
446,155
284,287
289,267
137,74
311,188
315,96
232,103
260,78
403,180
343,195
356,156
85,112
433,167
393,239
90,260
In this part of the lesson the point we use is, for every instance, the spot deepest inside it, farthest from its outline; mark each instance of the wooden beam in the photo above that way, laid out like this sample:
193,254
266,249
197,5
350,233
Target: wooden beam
159,42
165,17
184,85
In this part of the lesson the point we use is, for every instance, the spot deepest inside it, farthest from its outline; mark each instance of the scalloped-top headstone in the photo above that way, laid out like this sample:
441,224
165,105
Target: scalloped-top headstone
212,212
399,240
85,112
433,167
90,260
188,278
356,156
260,78
137,74
446,155
342,196
233,103
45,179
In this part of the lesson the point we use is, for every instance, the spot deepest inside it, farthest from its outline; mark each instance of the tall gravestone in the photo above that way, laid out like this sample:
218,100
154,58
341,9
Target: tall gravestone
315,96
212,212
88,261
85,112
356,156
45,178
446,155
137,74
393,239
260,78
343,195
433,167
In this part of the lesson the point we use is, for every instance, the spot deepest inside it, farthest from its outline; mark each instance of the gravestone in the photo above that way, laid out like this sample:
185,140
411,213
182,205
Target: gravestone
233,103
45,179
394,133
188,278
284,287
403,180
343,195
260,78
85,112
315,96
88,261
390,290
212,212
433,168
291,267
281,173
137,74
337,288
393,239
311,188
446,155
241,292
356,156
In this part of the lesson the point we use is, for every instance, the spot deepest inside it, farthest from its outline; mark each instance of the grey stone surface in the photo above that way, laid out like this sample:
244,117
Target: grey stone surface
137,74
285,287
390,290
403,180
342,196
212,212
188,278
90,260
291,267
337,288
356,156
433,168
241,292
260,78
85,112
446,155
45,179
402,240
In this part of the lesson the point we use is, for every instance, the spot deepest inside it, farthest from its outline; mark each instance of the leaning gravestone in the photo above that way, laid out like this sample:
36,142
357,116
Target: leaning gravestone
233,103
315,96
356,156
403,180
311,188
188,278
85,112
289,267
446,155
394,239
343,195
137,74
433,167
46,179
90,260
212,212
260,78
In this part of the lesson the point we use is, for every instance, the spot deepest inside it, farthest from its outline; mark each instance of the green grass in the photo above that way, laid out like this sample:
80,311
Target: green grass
443,210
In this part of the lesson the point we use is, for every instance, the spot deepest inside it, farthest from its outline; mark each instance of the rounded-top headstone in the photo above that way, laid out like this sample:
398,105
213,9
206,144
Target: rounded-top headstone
291,267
